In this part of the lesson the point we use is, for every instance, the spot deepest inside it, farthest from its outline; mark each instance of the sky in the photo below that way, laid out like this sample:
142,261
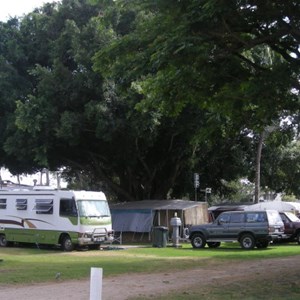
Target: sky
12,8
29,179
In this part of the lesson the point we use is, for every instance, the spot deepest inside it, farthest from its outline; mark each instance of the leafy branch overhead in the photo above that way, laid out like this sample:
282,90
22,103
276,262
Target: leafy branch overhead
132,97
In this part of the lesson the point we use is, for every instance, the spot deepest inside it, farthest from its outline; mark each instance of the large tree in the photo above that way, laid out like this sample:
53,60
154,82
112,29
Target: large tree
52,47
237,61
72,118
175,88
211,54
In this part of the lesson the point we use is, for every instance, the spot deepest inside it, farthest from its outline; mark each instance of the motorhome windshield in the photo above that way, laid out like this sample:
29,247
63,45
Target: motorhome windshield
93,208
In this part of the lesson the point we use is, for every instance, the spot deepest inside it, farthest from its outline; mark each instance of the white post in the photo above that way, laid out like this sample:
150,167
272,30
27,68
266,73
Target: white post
96,284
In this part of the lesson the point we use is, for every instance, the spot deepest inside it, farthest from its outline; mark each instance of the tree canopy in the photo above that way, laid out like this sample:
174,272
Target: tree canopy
135,96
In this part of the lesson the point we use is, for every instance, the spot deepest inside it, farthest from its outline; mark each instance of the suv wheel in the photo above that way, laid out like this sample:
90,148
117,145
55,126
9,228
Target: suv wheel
262,244
198,241
298,238
213,244
247,242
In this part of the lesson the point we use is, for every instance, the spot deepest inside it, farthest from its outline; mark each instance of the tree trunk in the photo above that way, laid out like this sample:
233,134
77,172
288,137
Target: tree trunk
257,172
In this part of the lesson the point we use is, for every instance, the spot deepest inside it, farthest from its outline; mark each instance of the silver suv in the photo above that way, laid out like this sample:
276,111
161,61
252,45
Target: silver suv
249,228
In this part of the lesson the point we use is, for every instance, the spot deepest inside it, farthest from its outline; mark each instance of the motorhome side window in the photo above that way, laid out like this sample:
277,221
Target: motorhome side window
67,207
21,204
2,203
44,206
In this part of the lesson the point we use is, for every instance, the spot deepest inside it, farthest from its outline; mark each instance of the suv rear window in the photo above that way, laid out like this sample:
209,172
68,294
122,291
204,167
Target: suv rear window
274,217
255,217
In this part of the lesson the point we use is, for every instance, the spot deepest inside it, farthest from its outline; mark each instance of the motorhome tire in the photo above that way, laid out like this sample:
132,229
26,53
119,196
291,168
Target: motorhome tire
67,244
3,241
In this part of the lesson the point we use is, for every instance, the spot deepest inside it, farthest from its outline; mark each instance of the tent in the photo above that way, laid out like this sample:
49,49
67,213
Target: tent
277,205
215,211
142,216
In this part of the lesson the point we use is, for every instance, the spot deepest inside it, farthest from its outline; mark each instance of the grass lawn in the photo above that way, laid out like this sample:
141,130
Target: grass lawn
20,265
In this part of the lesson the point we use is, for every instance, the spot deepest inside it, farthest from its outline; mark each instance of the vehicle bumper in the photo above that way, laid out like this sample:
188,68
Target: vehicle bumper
278,237
91,239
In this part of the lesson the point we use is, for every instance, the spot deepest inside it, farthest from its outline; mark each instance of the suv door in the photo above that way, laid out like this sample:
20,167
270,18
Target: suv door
219,228
288,225
291,225
236,224
257,223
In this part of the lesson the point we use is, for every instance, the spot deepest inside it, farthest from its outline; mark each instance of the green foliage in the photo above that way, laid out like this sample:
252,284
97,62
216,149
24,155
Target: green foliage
282,169
231,62
48,40
177,62
238,191
134,96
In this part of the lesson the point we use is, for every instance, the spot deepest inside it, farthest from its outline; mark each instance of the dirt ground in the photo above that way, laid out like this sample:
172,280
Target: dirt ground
152,285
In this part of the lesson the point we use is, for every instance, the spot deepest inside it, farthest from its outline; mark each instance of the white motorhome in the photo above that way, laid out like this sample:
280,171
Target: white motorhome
45,215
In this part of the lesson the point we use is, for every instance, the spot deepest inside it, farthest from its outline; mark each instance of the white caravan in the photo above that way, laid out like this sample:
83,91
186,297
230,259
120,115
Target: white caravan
49,216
